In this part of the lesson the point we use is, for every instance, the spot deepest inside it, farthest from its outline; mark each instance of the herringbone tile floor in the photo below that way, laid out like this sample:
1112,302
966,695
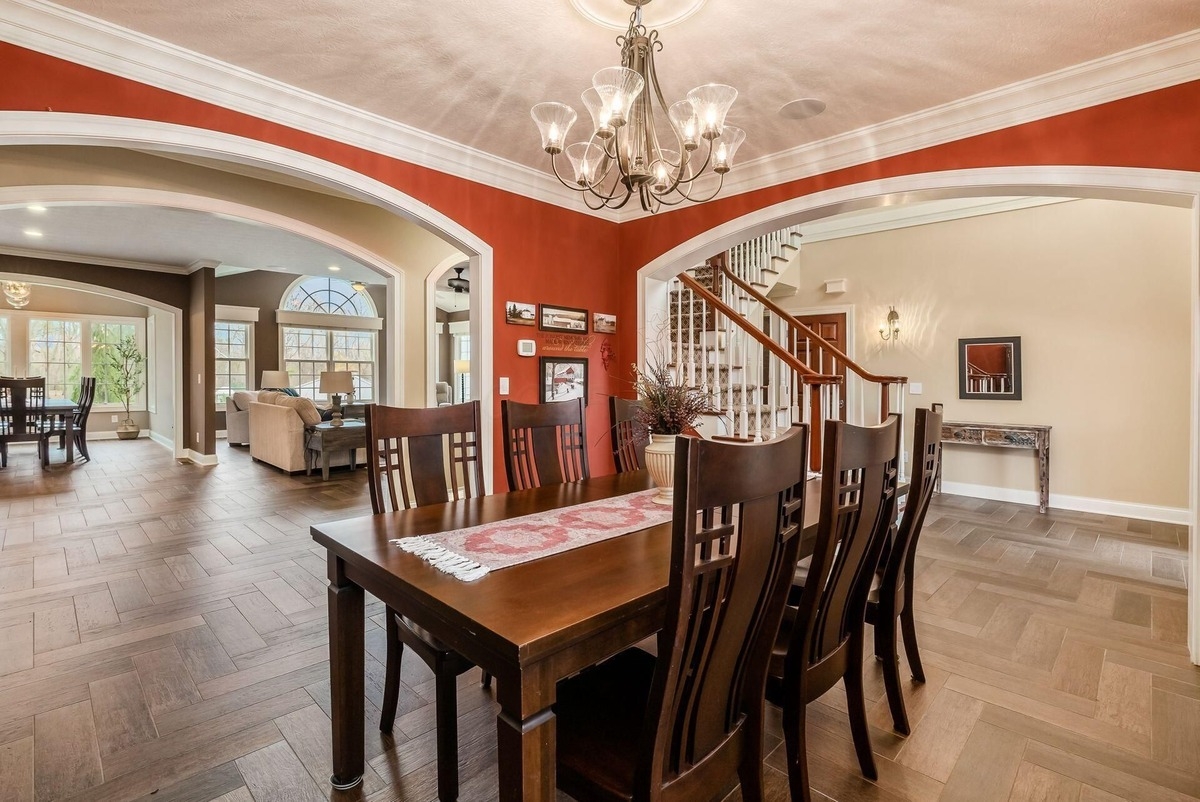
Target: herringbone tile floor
162,635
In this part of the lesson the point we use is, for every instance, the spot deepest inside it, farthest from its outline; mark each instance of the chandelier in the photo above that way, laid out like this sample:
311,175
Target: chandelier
17,293
623,156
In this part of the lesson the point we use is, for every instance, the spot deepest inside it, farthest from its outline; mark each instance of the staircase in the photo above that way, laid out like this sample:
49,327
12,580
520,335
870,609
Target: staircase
762,368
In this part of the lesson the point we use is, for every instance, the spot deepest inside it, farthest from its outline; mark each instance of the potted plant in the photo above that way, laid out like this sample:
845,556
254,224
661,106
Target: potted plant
121,369
669,408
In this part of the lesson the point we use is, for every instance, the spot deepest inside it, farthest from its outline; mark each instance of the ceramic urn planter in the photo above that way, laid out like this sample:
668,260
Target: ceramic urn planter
660,464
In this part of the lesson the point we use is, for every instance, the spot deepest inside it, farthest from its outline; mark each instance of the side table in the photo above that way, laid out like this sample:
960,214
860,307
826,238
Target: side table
324,439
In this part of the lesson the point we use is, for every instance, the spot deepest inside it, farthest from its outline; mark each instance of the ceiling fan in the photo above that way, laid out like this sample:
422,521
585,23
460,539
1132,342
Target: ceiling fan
458,283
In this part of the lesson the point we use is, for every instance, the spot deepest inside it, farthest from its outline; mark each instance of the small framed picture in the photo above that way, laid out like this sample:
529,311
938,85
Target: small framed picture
989,368
519,314
562,318
564,379
604,324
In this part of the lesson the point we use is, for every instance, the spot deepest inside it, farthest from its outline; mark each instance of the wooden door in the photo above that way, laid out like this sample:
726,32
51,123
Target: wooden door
832,327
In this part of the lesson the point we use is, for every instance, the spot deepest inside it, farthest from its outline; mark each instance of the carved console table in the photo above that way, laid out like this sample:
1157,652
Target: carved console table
1005,435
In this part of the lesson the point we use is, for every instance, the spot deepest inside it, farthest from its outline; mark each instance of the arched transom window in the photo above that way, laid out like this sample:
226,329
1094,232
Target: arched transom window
328,296
328,324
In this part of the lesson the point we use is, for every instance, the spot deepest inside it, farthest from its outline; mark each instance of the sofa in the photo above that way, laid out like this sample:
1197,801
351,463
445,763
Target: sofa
277,437
237,418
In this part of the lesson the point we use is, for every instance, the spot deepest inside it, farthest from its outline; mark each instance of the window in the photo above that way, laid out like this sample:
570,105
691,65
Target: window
102,336
56,352
308,352
233,343
325,324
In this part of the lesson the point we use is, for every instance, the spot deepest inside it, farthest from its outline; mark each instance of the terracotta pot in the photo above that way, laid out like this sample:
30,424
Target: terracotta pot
660,464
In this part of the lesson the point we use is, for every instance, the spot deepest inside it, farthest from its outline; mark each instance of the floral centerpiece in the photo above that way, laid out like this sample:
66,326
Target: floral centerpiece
668,408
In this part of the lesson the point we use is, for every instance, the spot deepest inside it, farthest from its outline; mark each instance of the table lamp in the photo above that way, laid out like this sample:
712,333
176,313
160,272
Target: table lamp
462,367
335,384
275,380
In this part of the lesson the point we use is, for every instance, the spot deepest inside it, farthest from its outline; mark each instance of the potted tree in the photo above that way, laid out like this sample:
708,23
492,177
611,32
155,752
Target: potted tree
669,408
121,369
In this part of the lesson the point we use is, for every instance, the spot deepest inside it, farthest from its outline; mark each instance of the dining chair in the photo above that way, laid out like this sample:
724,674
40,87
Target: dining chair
544,444
23,416
79,418
629,437
417,457
891,598
688,724
821,639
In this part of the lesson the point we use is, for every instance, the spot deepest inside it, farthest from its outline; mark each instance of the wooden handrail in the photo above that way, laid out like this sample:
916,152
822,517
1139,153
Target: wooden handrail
774,307
807,374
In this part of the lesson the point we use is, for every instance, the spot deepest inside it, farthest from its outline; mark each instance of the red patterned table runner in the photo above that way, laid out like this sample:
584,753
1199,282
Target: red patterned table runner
471,553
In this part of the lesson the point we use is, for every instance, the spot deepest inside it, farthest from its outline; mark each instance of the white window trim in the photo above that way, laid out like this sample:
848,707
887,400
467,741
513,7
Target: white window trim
236,314
221,318
20,362
320,320
374,350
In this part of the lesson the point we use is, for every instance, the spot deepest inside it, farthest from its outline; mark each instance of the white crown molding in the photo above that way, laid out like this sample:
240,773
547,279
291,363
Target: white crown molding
92,42
76,37
916,214
99,261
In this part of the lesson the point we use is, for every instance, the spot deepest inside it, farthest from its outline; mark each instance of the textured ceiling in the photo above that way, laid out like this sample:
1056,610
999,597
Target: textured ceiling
469,71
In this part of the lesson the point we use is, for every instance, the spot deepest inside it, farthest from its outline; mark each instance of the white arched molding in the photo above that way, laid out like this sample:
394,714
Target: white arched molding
179,442
1165,187
57,128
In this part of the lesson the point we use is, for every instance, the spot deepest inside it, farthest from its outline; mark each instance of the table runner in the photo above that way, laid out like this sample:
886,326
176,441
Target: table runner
471,553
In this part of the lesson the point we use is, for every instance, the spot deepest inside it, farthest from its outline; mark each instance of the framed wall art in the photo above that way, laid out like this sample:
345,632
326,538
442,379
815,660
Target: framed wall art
519,314
564,379
989,368
562,318
604,324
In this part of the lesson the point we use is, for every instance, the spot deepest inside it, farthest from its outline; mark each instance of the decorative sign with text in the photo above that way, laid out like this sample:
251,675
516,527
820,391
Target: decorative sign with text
568,343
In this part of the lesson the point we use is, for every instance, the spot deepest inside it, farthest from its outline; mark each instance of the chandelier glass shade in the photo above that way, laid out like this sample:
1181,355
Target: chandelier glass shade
638,144
17,293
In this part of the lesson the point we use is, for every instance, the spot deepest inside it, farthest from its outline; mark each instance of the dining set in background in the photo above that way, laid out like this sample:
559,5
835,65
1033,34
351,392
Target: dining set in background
27,415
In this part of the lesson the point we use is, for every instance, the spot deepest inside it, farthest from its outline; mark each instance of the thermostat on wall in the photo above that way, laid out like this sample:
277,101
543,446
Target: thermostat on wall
526,348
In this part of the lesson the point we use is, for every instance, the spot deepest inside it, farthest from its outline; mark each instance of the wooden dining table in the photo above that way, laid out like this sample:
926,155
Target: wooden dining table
529,625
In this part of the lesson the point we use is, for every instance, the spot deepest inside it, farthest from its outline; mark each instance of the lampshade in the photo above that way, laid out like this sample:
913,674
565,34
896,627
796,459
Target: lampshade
340,382
275,379
462,366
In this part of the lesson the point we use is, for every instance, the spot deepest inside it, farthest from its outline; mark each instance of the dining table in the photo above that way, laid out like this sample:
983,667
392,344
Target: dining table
529,625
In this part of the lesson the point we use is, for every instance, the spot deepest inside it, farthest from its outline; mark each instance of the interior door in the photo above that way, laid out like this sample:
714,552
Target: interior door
831,327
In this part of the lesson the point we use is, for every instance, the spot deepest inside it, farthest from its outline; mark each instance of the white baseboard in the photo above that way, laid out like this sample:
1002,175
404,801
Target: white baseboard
162,440
200,459
1100,506
222,434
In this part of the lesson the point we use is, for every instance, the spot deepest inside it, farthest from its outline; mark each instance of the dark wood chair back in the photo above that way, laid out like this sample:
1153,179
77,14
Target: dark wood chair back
87,394
927,458
858,505
423,456
629,436
544,444
22,409
739,512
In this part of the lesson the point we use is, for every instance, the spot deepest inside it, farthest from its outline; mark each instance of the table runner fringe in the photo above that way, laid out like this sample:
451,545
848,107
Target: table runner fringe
442,558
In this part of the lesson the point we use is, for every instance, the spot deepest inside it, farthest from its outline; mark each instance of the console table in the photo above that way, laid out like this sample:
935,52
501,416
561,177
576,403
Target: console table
1005,435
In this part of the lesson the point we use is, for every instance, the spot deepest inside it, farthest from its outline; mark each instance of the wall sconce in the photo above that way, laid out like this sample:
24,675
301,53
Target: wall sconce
891,329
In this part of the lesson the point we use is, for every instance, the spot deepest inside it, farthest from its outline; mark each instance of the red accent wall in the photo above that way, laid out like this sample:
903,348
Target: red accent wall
544,253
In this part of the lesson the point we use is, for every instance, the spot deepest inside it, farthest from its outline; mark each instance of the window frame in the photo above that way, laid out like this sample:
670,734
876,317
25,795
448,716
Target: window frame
19,363
249,360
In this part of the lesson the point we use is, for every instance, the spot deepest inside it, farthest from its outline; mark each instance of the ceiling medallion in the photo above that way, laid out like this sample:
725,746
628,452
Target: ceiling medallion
613,15
623,156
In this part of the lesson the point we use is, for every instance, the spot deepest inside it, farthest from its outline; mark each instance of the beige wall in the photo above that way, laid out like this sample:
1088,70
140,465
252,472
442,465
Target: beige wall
1099,293
403,244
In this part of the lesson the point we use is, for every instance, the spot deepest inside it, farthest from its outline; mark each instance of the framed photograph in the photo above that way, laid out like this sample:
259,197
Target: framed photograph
604,324
989,368
519,314
564,379
562,318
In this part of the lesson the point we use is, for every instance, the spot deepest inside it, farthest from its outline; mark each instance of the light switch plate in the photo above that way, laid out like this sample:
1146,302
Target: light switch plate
914,388
503,385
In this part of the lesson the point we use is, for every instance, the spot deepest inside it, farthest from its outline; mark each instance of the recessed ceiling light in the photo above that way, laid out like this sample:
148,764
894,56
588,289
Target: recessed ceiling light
334,268
32,232
801,109
36,208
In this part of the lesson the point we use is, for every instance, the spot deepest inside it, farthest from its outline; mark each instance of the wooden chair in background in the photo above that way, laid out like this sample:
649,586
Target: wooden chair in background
891,599
544,444
821,639
23,416
629,437
79,418
688,724
417,457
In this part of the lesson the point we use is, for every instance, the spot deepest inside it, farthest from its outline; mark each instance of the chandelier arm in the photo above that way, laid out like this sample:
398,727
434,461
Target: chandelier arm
554,169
